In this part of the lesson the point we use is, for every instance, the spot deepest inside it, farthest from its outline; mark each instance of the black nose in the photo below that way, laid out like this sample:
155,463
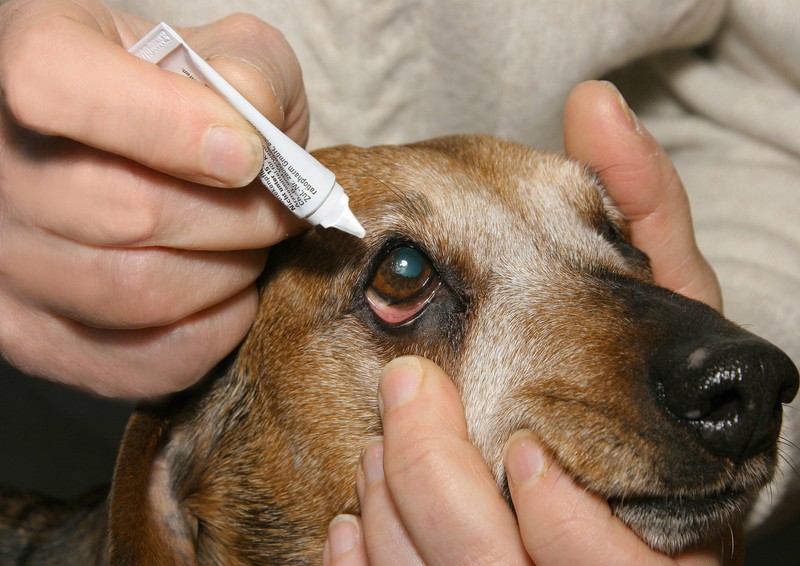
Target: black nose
728,392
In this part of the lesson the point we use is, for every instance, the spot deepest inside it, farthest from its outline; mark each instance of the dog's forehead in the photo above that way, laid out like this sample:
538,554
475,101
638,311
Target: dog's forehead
470,192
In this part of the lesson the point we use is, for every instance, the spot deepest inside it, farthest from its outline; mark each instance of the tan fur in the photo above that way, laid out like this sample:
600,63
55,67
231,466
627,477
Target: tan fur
542,320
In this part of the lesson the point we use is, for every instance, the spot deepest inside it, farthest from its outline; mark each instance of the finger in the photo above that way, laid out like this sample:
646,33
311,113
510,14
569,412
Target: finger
132,364
51,60
443,490
119,288
258,61
385,537
344,545
562,523
601,131
254,57
100,199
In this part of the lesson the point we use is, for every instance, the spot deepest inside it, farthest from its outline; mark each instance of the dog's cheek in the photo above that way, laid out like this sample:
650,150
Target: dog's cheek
494,362
288,453
541,363
333,396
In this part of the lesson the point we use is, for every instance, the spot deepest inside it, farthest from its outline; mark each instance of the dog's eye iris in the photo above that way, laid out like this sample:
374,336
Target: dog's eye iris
400,276
403,284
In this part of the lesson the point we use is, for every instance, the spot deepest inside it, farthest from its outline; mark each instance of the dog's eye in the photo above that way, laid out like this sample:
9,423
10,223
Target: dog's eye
403,285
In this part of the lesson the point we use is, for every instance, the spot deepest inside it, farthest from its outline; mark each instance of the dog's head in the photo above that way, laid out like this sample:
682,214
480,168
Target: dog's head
512,270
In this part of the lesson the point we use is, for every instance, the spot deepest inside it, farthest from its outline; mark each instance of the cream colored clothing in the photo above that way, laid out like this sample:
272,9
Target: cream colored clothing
387,71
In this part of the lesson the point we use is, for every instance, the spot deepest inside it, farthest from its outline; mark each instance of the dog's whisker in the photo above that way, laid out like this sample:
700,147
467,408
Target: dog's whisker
788,462
732,533
771,493
783,439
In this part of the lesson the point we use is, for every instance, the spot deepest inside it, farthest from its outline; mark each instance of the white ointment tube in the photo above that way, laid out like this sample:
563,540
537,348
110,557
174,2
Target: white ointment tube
299,181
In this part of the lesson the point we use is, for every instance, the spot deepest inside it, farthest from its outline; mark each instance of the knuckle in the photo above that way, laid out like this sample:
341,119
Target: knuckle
130,213
132,228
24,73
250,26
136,227
271,77
13,327
422,454
137,222
14,78
281,60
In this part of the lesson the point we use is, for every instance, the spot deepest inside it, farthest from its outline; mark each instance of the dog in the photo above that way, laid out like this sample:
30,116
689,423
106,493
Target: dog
510,268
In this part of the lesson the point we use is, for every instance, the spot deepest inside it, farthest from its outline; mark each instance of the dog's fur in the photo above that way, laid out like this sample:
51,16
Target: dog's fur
540,310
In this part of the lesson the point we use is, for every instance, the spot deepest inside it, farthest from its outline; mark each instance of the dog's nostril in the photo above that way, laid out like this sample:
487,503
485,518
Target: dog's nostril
729,393
721,407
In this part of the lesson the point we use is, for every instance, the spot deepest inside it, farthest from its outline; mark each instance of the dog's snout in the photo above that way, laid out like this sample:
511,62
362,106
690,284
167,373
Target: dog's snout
729,393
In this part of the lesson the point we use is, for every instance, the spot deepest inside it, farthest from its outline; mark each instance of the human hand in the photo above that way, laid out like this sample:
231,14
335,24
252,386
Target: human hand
601,131
127,261
427,496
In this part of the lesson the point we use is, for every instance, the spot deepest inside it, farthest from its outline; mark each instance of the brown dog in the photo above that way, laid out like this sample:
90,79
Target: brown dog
509,268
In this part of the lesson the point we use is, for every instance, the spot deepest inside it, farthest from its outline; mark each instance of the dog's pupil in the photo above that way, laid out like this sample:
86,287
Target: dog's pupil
408,262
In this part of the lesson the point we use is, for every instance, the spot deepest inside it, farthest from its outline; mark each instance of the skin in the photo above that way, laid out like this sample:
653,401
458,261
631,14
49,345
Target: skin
425,449
156,241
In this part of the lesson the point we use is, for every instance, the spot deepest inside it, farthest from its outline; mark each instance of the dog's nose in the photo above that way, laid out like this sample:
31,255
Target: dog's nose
729,392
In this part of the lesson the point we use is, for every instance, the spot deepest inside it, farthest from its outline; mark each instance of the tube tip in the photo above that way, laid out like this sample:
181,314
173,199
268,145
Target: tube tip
335,213
347,222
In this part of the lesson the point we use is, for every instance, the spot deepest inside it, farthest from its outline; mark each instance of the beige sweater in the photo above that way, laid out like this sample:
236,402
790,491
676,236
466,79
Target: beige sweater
402,70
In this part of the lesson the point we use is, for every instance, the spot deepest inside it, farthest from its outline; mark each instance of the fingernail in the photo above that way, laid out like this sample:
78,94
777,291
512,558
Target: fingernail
524,458
372,460
343,535
231,156
629,115
399,382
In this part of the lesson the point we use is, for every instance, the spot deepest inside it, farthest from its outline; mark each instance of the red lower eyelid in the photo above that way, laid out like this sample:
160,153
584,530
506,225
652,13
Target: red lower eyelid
396,314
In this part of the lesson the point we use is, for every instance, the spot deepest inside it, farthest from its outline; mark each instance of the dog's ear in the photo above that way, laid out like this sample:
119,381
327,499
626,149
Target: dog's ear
146,523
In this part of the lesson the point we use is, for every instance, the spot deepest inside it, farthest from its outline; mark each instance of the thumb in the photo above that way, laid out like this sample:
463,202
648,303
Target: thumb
562,523
258,61
254,57
601,131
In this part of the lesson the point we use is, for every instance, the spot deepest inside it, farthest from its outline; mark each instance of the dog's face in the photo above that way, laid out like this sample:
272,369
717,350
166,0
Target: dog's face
510,269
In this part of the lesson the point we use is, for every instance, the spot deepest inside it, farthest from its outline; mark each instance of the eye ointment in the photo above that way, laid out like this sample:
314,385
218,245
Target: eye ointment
299,181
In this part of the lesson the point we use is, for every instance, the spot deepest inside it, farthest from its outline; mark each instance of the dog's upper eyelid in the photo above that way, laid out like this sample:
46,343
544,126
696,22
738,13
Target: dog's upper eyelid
612,232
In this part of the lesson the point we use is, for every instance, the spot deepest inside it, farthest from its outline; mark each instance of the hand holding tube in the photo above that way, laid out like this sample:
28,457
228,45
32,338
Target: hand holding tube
126,265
